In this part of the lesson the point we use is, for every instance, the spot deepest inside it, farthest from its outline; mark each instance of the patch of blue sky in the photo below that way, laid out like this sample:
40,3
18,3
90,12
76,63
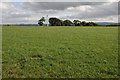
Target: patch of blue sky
17,4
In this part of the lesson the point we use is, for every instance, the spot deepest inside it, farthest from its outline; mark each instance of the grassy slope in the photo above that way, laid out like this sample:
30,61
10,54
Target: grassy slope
60,52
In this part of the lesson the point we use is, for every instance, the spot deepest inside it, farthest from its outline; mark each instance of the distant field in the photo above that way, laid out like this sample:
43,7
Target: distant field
51,52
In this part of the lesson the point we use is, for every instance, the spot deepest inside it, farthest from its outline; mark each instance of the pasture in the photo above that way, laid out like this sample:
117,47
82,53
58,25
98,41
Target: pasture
59,52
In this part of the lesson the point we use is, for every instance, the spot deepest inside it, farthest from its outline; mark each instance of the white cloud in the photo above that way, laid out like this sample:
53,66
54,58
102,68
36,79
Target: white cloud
31,12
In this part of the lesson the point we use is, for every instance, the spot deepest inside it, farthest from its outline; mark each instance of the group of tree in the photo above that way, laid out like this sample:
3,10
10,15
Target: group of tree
58,22
53,21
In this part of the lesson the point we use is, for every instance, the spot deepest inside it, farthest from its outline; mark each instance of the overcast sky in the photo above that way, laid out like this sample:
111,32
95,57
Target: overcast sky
29,11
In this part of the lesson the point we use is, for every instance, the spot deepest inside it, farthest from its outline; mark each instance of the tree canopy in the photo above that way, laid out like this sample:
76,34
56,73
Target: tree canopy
67,23
53,21
41,21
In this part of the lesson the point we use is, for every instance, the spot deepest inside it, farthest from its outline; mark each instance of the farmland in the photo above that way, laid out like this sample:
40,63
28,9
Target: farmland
60,52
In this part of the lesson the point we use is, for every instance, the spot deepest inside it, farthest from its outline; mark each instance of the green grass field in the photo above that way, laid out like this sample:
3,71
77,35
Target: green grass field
60,52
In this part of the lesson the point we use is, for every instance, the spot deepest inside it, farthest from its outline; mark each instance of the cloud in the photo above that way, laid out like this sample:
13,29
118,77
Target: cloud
60,0
36,6
30,12
108,9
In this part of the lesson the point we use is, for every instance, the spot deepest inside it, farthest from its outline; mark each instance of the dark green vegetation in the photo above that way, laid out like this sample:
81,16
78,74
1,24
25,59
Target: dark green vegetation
53,21
40,22
78,52
58,22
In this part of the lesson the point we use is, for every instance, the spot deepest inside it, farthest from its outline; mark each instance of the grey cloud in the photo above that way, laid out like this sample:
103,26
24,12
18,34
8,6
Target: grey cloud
35,10
109,9
36,6
60,0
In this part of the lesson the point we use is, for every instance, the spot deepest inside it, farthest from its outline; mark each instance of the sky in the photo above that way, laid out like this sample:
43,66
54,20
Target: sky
30,11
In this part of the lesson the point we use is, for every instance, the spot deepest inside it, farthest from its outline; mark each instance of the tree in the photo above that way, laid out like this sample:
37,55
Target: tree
67,23
41,21
91,24
83,23
58,22
55,22
77,23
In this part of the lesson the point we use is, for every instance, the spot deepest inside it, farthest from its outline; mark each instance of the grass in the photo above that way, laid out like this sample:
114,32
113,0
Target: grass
60,52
